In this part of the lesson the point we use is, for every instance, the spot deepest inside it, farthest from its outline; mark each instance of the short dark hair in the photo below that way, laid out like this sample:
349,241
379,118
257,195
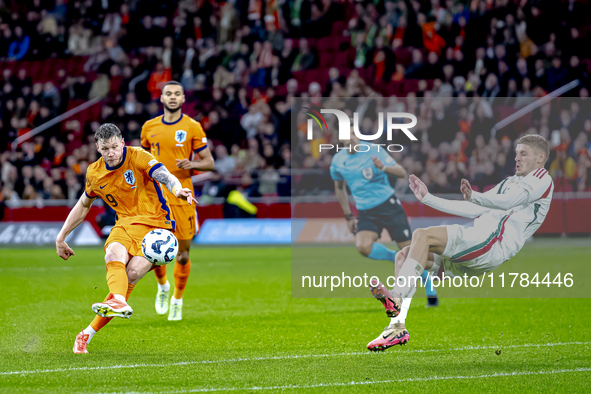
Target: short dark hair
173,83
106,132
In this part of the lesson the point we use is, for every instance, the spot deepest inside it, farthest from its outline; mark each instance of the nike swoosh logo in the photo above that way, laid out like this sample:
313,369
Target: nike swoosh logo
154,135
102,187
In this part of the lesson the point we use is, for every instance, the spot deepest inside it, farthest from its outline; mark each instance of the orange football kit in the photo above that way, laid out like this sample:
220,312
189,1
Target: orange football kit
139,203
169,142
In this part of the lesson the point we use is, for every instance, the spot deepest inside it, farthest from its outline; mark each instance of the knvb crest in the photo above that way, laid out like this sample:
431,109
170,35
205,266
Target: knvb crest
180,136
129,177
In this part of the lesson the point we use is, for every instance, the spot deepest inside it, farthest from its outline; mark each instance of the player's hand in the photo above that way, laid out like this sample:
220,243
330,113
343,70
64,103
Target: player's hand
352,225
466,189
185,164
186,194
378,163
63,250
418,187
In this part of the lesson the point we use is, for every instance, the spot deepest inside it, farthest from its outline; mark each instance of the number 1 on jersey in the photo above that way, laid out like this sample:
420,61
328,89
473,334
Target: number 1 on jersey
158,146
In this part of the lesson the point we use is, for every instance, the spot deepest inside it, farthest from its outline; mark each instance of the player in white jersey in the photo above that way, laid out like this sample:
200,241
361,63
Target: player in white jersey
505,217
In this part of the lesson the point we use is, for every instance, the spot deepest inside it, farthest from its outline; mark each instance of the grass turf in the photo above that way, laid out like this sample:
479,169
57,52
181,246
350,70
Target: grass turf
243,331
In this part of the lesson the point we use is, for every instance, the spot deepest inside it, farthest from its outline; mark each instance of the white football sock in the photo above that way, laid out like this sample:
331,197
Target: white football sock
401,318
90,331
164,287
119,297
409,273
175,301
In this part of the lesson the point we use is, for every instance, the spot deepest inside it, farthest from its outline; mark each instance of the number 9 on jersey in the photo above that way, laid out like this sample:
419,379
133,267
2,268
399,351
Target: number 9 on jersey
160,247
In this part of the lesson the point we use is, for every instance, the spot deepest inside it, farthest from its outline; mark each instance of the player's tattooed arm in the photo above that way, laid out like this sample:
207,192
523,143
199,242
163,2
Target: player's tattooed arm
172,183
164,176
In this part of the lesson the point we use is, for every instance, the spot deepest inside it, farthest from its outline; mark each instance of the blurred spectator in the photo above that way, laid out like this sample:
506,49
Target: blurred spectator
19,46
460,68
224,164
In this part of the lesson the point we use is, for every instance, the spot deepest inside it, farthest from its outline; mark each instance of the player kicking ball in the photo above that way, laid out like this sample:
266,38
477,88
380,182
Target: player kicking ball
366,174
174,139
128,179
505,217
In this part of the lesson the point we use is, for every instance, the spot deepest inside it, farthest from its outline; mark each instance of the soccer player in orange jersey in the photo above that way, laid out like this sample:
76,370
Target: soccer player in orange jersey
128,179
174,139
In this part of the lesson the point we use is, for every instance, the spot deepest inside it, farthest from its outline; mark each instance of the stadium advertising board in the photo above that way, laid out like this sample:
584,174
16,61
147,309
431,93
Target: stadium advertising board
245,232
45,233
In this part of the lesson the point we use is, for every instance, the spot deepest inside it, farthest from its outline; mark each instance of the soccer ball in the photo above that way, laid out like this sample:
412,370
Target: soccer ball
160,247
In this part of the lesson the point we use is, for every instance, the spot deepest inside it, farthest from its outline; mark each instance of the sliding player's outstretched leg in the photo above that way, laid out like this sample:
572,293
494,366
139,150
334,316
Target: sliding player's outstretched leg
397,301
382,294
394,334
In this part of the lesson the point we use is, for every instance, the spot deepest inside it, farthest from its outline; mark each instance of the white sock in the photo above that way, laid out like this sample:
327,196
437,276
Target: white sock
401,318
175,301
90,331
409,273
119,297
164,287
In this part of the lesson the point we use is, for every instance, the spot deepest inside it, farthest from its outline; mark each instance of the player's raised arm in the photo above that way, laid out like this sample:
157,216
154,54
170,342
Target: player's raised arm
205,163
521,193
162,175
459,208
75,217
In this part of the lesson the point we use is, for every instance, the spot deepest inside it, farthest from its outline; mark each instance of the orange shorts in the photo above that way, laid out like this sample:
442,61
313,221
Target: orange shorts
130,236
186,223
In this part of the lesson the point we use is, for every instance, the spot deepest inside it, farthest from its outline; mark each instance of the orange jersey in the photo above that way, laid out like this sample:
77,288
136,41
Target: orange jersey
171,141
130,189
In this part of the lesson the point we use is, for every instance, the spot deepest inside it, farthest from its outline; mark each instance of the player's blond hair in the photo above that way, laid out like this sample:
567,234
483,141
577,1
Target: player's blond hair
537,142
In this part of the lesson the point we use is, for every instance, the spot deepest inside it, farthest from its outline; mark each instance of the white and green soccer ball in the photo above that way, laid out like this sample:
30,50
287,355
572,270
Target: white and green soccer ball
160,247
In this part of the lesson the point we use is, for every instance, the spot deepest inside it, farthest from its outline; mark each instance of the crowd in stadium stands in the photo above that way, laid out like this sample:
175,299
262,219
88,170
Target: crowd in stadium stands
460,66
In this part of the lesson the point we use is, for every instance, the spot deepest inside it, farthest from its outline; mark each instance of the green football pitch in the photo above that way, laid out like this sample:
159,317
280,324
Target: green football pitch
243,332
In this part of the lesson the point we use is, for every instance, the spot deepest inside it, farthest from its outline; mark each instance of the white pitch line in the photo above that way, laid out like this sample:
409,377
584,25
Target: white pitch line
353,383
233,360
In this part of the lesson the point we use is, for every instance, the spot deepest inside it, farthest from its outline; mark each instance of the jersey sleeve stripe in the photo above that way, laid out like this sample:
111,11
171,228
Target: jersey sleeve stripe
544,172
501,187
162,200
200,149
88,195
157,166
537,171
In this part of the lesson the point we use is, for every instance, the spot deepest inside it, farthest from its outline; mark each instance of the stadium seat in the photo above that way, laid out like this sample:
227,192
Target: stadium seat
337,28
341,59
326,59
325,45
